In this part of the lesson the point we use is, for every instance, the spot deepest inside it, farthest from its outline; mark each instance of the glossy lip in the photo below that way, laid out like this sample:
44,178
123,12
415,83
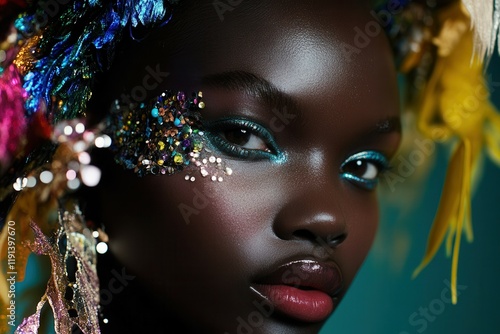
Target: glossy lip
305,290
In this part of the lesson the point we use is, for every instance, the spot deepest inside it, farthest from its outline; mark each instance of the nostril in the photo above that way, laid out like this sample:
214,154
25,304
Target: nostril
304,234
334,240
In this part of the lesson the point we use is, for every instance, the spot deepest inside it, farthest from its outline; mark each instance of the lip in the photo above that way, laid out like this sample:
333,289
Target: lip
305,290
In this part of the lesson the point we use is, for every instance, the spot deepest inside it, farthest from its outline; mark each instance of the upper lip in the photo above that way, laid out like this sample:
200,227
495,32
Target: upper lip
307,274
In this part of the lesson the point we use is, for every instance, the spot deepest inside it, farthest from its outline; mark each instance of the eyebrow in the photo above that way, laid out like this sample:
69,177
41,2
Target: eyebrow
258,87
255,86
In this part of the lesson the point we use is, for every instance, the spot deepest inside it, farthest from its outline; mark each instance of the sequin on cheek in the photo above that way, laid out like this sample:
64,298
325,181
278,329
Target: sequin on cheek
164,136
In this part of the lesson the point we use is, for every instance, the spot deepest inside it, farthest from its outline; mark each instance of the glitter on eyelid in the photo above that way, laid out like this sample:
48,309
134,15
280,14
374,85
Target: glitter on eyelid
163,136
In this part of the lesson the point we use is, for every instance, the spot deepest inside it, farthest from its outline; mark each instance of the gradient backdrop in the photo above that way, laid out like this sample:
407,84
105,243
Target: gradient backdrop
385,300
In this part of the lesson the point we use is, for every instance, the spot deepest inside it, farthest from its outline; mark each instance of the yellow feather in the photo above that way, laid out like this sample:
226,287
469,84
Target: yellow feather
447,209
427,111
449,237
456,102
493,147
464,199
492,135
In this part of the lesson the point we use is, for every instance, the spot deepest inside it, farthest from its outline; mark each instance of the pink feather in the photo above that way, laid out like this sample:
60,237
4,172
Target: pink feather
12,120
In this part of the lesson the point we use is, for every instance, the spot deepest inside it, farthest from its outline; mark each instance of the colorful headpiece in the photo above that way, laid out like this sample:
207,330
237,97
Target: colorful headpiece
49,58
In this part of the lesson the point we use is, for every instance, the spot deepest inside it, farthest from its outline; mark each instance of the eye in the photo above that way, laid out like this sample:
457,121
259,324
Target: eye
243,138
364,168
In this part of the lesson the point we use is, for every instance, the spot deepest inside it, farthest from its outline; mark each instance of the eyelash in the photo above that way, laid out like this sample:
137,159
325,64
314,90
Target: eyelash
374,158
215,130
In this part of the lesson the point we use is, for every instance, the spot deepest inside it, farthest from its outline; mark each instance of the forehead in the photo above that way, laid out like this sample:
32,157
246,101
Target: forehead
308,50
274,39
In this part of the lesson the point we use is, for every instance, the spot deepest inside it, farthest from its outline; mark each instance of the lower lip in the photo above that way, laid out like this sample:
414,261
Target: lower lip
304,305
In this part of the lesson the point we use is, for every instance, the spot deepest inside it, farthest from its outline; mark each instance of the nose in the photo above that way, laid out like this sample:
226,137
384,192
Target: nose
314,217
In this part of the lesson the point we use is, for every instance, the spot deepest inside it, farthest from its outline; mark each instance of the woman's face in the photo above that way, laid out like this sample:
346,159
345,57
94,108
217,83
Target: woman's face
274,247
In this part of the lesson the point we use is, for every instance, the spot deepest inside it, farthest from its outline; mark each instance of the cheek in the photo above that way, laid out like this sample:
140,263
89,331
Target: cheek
187,241
169,231
361,212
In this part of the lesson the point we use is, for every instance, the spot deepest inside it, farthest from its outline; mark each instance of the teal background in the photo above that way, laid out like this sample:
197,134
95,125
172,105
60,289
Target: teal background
383,297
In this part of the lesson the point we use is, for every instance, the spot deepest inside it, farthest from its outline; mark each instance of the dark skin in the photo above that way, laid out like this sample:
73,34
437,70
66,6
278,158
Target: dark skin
199,275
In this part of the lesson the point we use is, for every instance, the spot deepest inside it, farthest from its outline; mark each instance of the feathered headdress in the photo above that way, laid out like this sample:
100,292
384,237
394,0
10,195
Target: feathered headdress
49,58
444,57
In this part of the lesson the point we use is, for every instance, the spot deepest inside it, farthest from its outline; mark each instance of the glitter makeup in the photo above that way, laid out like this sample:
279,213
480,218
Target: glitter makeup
164,136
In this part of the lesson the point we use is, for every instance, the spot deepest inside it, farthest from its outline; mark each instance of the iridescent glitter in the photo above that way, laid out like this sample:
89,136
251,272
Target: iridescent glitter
72,291
80,42
163,136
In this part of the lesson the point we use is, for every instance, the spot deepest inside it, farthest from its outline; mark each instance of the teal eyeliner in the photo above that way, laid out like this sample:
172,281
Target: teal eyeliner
377,158
214,128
